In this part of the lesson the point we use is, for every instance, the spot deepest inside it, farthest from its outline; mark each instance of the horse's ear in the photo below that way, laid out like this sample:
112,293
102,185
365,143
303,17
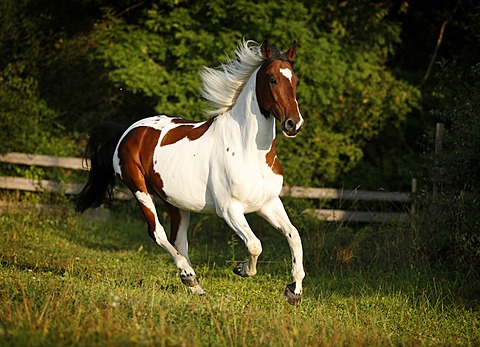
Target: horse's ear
266,51
292,52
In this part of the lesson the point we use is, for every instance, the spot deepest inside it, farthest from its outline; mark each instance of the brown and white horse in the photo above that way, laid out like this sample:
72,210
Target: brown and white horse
226,165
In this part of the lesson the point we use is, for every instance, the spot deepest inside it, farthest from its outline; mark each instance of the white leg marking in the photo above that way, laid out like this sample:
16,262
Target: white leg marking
275,214
181,243
186,271
235,218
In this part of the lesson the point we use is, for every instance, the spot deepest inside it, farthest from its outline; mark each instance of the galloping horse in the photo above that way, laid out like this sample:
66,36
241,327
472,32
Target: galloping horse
226,165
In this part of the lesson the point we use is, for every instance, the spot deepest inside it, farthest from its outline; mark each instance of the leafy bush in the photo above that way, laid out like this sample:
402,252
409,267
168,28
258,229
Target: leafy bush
28,123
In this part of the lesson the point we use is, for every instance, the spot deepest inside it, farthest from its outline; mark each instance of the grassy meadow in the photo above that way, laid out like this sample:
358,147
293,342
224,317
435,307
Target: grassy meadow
69,280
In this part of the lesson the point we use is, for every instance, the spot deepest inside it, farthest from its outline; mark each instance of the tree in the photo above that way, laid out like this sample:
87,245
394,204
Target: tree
125,60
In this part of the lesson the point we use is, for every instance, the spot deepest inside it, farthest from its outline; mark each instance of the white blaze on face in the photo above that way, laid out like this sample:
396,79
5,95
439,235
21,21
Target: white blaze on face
287,73
299,124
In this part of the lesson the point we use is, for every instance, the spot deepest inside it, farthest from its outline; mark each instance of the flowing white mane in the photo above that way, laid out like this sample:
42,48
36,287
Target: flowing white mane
222,86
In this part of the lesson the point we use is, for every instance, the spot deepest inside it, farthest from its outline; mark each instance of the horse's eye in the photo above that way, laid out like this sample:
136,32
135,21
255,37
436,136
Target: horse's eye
273,80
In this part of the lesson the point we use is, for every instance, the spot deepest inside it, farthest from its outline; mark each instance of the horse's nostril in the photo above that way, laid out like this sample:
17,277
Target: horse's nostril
290,124
290,128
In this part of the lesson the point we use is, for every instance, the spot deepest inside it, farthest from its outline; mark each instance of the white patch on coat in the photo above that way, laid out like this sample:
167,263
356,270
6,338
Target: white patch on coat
146,200
287,73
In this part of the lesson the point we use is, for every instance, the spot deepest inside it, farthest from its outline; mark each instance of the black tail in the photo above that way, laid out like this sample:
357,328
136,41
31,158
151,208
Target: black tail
101,179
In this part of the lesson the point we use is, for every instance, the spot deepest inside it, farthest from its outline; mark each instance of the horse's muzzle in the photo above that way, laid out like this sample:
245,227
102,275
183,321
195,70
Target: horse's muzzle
291,128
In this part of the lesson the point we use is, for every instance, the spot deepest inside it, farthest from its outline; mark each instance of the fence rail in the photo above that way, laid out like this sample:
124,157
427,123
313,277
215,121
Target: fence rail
333,215
44,160
340,194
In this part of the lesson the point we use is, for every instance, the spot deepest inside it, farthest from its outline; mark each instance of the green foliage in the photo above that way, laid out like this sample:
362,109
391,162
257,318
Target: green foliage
126,60
26,118
29,123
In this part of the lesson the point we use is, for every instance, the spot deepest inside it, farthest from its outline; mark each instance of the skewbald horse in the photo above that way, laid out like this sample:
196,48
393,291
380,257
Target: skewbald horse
226,165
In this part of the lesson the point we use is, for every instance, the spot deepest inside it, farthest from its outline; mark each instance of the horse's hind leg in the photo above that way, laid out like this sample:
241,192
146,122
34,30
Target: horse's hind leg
179,221
157,233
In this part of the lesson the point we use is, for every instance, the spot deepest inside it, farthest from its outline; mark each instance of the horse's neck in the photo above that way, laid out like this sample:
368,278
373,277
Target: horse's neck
257,132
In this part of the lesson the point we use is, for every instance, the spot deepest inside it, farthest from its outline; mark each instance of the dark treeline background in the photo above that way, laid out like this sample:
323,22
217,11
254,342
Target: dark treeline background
366,91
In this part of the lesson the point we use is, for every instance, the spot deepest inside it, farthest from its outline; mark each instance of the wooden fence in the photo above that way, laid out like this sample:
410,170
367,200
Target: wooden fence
405,200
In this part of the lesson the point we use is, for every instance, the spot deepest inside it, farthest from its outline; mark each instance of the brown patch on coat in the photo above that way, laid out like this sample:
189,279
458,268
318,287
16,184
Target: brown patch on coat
272,160
182,121
186,130
175,221
136,161
150,218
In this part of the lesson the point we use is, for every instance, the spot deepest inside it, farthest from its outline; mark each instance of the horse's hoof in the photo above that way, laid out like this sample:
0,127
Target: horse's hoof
292,298
189,280
243,270
192,283
240,269
197,290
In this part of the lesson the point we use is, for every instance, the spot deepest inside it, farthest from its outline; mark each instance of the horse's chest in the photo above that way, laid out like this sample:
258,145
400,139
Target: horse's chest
253,185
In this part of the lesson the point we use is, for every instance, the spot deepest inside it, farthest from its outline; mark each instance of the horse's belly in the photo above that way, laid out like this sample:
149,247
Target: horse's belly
191,188
193,181
184,177
190,200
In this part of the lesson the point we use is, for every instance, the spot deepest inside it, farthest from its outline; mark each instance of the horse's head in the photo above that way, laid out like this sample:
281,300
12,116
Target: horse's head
277,88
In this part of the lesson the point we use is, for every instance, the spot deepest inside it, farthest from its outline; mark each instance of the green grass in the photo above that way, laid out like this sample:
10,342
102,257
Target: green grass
67,280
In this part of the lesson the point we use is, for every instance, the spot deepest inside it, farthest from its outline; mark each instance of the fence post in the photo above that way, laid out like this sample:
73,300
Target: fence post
437,166
413,206
437,179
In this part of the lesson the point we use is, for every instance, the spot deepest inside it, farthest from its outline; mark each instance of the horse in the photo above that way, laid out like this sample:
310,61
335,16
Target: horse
226,165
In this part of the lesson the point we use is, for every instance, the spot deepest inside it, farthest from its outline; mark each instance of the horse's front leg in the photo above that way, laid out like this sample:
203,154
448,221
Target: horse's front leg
275,214
235,218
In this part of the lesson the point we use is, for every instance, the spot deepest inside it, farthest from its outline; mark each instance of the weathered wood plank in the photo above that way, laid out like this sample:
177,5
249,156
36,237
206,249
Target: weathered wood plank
357,216
44,160
339,194
31,185
27,184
